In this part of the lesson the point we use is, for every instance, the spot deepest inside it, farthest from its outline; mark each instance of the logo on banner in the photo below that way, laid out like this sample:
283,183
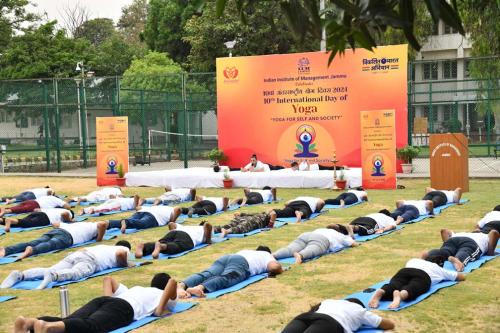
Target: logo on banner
111,165
378,166
230,73
305,135
379,64
303,66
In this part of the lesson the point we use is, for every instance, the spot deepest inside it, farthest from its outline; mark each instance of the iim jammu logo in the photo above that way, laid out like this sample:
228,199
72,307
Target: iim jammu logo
303,66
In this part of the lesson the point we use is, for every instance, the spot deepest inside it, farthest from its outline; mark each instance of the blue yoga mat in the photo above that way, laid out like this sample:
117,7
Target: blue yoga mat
15,229
237,287
6,298
195,216
366,329
294,219
180,307
366,238
169,256
346,206
253,232
107,213
291,260
117,232
31,285
437,211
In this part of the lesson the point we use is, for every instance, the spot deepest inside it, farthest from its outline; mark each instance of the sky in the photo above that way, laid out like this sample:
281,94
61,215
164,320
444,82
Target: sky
97,8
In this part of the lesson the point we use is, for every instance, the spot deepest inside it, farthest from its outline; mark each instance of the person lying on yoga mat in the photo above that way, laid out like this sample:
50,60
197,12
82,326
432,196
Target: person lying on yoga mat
147,217
39,218
179,239
229,270
207,206
300,207
407,210
375,223
242,223
29,206
118,307
337,316
255,197
414,280
75,266
490,221
314,244
173,196
63,236
102,194
348,198
442,197
30,194
112,205
254,165
463,247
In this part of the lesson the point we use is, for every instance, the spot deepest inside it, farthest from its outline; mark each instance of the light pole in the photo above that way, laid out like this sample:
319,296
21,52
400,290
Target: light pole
230,46
82,117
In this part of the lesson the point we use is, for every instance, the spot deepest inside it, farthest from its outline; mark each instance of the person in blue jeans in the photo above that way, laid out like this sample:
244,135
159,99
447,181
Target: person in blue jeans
410,209
147,217
63,236
228,271
30,194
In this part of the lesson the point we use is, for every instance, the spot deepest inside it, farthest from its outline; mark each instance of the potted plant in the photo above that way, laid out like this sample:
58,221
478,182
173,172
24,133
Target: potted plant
407,154
120,180
228,181
217,156
340,182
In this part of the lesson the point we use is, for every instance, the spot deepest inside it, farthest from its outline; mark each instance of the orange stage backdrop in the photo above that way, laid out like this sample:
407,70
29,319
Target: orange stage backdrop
378,149
112,148
293,106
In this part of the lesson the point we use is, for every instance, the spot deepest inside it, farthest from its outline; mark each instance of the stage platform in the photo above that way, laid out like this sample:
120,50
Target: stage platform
207,178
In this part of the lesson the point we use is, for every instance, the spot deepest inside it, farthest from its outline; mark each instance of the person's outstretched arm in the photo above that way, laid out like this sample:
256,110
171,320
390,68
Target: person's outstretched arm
386,324
169,293
493,236
102,226
109,286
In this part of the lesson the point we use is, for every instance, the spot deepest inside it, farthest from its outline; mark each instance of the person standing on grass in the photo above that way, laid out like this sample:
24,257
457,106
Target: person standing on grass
39,218
29,206
441,197
300,207
30,194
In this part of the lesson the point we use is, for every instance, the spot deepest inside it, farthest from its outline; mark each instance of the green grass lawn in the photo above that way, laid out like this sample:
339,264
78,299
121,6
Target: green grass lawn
471,306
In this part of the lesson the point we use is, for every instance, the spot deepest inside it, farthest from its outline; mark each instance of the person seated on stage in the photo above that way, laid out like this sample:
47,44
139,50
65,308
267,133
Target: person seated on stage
300,207
255,197
337,316
464,247
242,223
414,280
173,196
254,165
147,217
229,270
30,194
75,266
442,197
63,236
370,224
29,206
112,205
119,307
39,218
348,198
294,166
314,244
407,210
207,206
179,239
100,195
490,221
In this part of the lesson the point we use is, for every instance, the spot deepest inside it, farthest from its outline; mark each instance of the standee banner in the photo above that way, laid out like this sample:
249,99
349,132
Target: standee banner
378,149
293,107
112,149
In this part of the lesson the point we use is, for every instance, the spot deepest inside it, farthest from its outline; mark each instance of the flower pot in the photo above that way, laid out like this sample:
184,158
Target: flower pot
341,184
407,167
120,181
228,183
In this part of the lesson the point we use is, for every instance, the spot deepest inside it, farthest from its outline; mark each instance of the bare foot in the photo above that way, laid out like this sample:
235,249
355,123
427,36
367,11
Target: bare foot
459,266
40,326
196,291
225,203
224,232
207,232
298,214
157,250
182,294
2,212
396,300
123,227
247,192
27,252
457,195
7,225
298,258
374,301
139,250
20,325
2,252
342,203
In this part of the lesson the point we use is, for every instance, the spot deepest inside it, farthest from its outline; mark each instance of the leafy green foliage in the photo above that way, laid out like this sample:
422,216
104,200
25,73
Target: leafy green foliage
408,153
12,14
132,21
96,31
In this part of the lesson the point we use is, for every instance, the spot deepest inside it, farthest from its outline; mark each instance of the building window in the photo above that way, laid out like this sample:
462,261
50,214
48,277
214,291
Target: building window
449,30
430,71
426,113
447,112
450,69
467,68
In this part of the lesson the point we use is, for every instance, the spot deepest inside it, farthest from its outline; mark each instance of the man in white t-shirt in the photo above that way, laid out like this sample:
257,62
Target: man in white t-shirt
442,197
349,198
100,195
229,270
407,210
254,165
39,218
172,196
375,223
255,197
179,239
463,247
29,206
414,280
300,207
75,266
112,205
119,307
490,221
337,316
147,217
314,244
206,206
63,236
30,194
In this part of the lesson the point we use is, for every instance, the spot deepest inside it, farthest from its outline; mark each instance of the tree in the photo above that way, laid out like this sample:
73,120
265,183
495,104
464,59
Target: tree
115,55
265,33
12,14
73,17
96,31
133,21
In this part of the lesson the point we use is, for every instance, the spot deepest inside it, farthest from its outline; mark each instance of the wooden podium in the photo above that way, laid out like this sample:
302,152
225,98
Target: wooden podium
449,155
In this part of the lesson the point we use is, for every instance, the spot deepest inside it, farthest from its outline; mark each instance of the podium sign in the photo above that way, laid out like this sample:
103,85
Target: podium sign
449,155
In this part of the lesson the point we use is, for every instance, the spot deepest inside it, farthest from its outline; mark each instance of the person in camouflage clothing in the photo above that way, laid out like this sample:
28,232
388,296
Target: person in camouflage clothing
243,223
